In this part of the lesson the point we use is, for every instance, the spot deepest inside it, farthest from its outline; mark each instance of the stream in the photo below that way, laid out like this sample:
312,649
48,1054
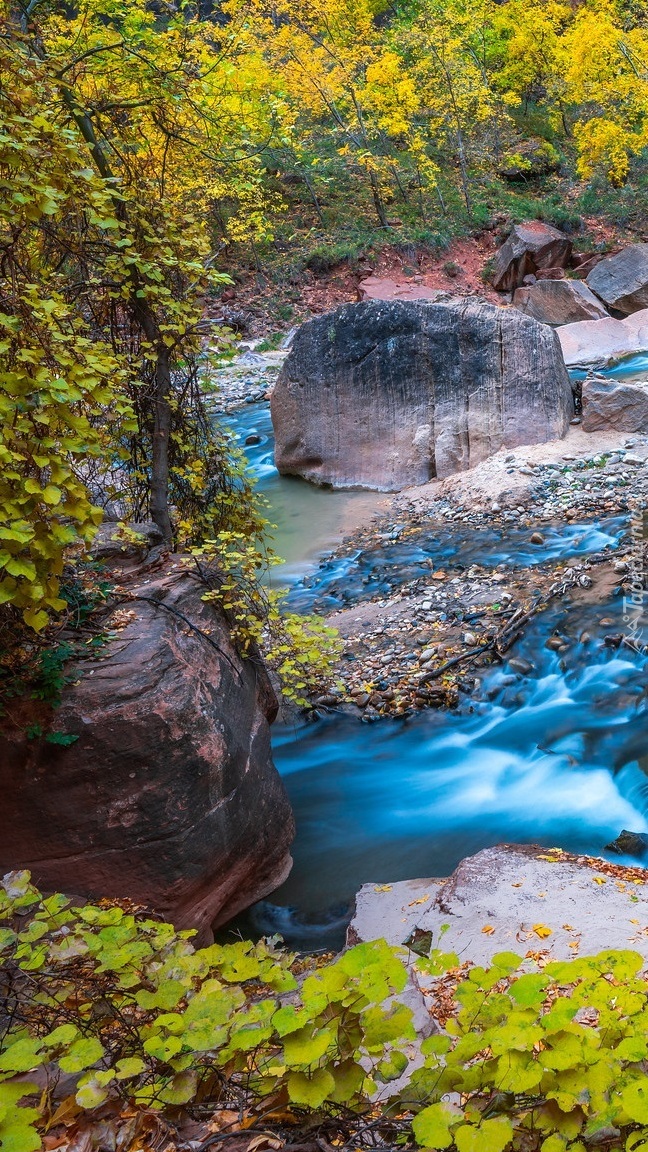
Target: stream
557,756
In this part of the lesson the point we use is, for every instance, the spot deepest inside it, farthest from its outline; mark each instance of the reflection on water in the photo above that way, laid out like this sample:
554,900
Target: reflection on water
309,520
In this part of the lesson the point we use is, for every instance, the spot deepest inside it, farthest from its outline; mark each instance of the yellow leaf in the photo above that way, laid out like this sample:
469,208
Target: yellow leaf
599,879
35,620
421,900
542,931
382,888
488,929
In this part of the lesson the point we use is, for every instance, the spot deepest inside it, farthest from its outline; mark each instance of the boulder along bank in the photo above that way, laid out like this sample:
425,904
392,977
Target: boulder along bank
167,794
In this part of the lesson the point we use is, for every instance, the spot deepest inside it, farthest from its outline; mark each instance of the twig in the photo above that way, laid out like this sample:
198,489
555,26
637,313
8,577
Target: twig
455,660
190,624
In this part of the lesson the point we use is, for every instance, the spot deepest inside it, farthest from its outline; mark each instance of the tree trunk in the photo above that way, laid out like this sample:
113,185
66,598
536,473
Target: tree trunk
161,436
464,171
377,199
159,503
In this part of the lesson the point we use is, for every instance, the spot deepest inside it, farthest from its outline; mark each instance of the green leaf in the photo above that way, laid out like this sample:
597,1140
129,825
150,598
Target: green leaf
432,1126
310,1091
507,961
22,1056
392,1067
553,1143
289,1019
129,1066
307,1046
349,1078
529,990
180,1089
91,1094
634,1098
64,1034
168,995
488,1136
81,1055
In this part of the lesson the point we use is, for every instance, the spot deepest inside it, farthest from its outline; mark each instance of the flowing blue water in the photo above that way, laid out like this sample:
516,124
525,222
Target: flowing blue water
629,368
558,757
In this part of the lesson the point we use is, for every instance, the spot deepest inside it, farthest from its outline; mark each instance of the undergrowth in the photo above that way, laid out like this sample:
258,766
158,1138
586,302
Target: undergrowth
106,1011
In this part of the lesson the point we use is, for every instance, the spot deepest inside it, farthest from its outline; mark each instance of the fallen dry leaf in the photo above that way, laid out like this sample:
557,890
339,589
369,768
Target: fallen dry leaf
599,879
542,931
488,929
382,888
264,1140
421,900
223,1119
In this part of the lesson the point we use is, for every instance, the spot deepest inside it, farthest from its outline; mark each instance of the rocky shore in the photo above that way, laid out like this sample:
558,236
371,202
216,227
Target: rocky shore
400,649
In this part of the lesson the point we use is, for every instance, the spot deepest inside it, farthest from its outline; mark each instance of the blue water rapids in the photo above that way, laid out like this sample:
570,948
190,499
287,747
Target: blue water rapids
557,757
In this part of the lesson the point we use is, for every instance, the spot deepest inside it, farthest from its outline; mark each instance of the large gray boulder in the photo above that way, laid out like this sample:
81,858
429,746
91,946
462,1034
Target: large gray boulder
388,394
614,404
621,281
559,302
530,247
168,795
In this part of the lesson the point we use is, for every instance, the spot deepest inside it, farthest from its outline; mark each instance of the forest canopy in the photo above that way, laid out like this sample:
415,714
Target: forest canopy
144,144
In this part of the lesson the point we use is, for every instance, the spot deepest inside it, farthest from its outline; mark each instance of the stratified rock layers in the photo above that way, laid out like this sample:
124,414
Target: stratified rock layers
169,795
388,394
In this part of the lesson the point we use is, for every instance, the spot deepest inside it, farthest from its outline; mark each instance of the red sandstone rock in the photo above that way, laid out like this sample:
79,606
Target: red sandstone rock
169,796
531,246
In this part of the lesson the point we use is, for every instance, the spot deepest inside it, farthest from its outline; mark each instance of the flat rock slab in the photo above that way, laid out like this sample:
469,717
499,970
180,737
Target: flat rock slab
377,288
591,343
514,898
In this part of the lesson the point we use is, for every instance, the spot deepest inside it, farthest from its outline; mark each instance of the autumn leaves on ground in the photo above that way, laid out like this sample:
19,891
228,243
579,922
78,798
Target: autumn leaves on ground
162,165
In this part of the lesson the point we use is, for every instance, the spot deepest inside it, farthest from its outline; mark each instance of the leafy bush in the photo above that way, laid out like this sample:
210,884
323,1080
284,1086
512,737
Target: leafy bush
132,1010
325,257
539,1057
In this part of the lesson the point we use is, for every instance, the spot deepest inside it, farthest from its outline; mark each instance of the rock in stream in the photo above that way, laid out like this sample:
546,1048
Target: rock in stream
387,394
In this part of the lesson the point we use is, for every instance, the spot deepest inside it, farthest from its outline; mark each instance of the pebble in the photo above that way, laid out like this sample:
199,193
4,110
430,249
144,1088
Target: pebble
469,638
556,644
537,538
519,664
